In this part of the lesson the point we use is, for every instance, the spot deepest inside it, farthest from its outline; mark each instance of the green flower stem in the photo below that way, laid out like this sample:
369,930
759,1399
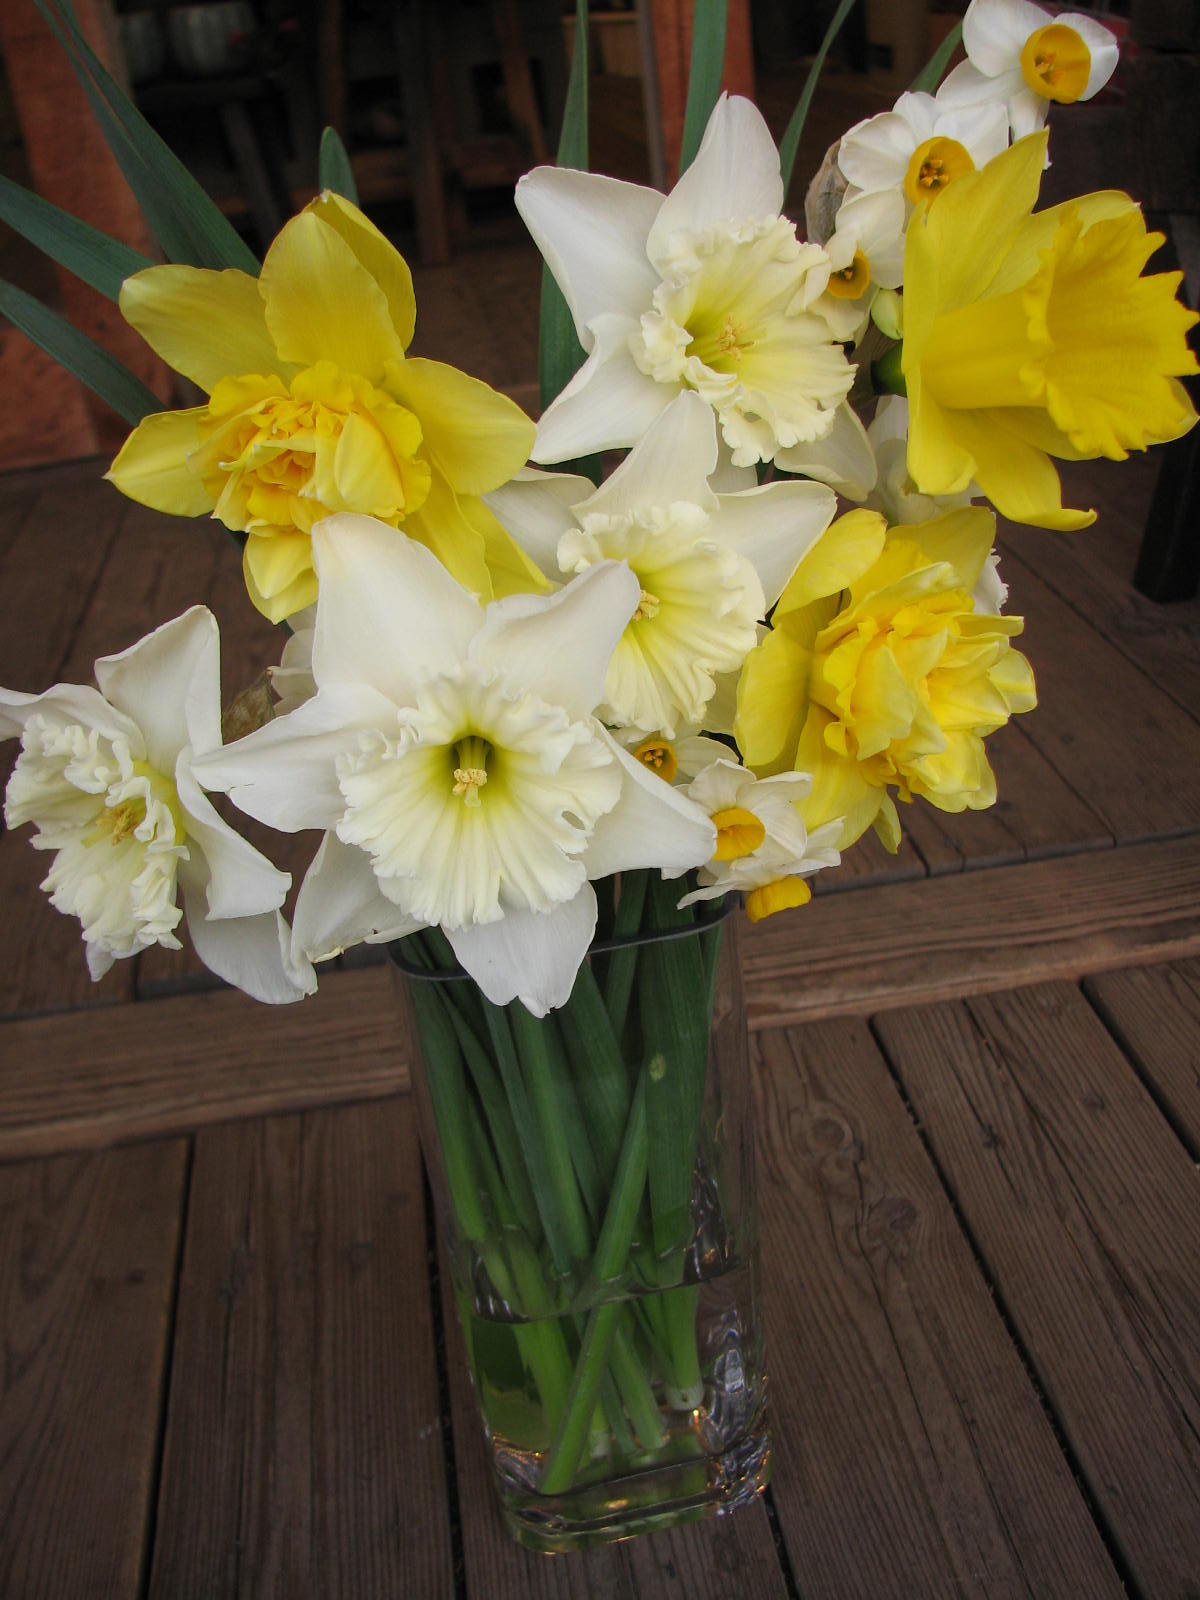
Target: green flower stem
598,1067
685,1383
448,1092
629,1369
614,1409
548,1105
612,1251
622,964
574,1124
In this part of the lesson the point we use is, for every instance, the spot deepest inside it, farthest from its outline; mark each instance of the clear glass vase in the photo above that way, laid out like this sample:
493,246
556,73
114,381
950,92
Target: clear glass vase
593,1174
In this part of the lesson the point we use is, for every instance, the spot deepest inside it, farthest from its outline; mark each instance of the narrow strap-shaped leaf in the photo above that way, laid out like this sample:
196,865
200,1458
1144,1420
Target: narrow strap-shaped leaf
930,75
102,262
709,19
81,356
791,137
559,352
185,220
333,167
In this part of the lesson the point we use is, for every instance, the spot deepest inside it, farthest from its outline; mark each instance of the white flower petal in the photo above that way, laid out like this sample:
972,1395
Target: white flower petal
389,613
536,509
1027,112
560,644
68,703
774,527
340,904
651,825
608,404
875,153
994,32
843,459
240,881
169,683
592,231
735,175
252,953
529,956
671,461
284,773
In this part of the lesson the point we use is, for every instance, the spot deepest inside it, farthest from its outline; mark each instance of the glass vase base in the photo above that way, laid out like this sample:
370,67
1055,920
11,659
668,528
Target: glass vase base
663,1497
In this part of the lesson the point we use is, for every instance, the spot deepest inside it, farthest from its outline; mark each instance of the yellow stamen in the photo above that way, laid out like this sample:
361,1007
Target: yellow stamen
658,755
471,776
782,895
739,833
118,822
935,163
849,283
1056,64
648,605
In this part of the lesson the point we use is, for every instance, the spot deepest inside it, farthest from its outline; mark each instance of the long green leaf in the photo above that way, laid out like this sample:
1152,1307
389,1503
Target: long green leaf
709,19
333,167
560,354
81,356
91,255
185,220
930,75
791,137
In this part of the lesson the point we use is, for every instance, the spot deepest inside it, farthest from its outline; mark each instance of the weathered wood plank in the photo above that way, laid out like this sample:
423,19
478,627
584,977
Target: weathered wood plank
867,863
1083,1205
88,1246
1155,1014
944,937
303,1448
912,1454
731,1558
1093,701
87,1078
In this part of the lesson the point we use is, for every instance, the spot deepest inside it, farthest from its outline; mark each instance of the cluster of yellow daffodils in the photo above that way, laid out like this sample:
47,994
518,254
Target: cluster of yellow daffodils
314,408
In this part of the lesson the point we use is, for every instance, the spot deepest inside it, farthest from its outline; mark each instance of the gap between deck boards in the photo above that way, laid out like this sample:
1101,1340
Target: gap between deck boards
94,1077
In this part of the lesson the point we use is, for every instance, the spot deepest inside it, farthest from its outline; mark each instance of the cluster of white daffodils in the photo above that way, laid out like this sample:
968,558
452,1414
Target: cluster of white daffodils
474,766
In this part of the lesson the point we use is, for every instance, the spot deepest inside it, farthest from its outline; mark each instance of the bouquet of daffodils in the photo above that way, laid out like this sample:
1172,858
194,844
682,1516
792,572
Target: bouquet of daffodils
524,708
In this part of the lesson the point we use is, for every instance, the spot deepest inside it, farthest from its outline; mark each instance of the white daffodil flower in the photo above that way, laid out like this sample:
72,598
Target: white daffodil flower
866,254
1025,57
895,494
707,288
452,755
709,565
921,145
675,760
763,848
107,778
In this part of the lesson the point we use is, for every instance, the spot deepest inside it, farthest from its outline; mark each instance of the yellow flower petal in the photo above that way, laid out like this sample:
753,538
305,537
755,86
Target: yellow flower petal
785,894
442,526
323,304
964,538
279,573
847,548
152,467
772,700
207,325
478,438
512,572
377,254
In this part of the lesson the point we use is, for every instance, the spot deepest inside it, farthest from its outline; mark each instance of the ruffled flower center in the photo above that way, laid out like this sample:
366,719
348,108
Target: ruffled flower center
730,319
851,282
118,833
699,605
1056,63
481,799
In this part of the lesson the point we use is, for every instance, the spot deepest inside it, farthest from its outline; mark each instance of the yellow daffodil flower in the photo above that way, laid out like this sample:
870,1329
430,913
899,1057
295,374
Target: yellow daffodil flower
881,673
314,408
1027,337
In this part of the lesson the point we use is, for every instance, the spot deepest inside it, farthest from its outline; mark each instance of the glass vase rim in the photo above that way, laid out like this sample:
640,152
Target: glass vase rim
713,914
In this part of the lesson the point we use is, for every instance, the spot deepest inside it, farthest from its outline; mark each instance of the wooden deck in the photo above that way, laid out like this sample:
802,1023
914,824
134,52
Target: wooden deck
227,1365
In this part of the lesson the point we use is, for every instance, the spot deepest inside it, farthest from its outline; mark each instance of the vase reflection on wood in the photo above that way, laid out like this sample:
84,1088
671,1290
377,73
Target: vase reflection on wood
594,1182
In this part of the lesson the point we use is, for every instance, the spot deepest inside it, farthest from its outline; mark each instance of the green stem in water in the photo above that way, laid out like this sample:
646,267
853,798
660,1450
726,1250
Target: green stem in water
622,964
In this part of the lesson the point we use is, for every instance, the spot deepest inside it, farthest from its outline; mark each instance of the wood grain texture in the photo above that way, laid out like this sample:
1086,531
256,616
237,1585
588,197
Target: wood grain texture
730,1558
1092,701
898,1391
89,1078
1154,1012
87,1259
303,1445
1084,1207
943,937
